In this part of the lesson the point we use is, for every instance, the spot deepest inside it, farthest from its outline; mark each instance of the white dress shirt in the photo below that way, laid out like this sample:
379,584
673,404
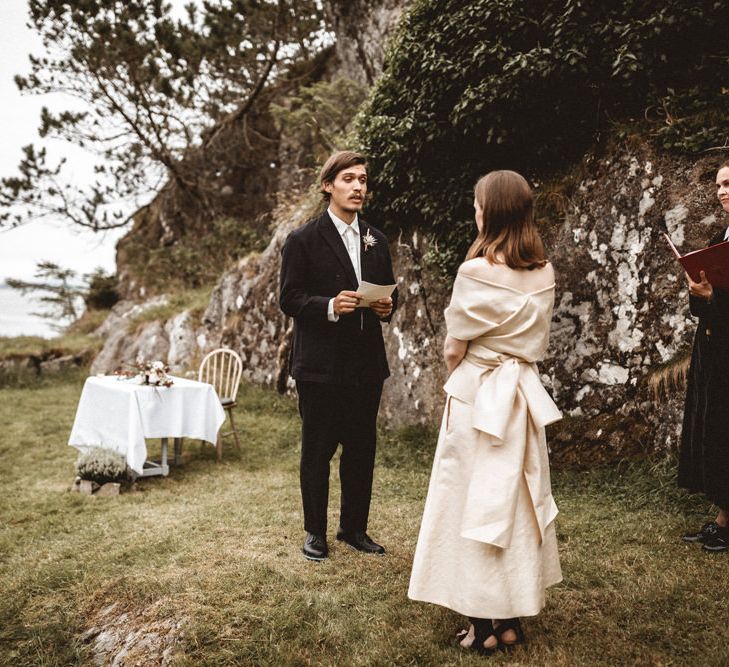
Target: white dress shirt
726,234
350,236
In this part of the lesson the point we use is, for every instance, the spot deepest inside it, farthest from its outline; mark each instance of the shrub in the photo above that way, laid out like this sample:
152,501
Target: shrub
102,465
193,262
471,86
318,118
101,293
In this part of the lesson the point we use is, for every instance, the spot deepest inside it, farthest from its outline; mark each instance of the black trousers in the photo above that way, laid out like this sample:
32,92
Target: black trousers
330,415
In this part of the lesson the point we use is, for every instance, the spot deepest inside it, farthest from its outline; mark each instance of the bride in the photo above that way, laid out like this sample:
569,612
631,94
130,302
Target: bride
487,546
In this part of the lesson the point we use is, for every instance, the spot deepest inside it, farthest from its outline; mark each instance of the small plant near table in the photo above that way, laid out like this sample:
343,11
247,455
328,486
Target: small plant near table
101,466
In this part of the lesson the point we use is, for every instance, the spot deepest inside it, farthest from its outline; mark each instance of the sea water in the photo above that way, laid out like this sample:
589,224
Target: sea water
17,316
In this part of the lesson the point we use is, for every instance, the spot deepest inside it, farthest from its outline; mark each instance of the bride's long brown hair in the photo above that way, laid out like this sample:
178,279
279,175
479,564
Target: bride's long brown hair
508,234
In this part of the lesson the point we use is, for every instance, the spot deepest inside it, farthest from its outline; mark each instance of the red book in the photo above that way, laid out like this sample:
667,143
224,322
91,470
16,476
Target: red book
713,261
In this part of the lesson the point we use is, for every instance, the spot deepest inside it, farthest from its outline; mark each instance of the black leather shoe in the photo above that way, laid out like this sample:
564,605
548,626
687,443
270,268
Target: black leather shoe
360,541
719,542
707,532
315,547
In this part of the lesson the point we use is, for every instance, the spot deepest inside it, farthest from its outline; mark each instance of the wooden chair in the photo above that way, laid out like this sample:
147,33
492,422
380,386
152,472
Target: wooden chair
223,368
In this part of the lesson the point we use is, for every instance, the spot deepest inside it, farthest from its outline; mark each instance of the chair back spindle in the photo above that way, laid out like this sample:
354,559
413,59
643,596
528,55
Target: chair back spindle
222,368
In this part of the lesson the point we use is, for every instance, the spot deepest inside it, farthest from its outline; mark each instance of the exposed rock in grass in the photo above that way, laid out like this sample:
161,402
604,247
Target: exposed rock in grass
108,490
58,364
87,487
29,364
53,361
91,488
119,638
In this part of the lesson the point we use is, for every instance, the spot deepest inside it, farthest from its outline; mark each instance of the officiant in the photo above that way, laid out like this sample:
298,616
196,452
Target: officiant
338,354
704,451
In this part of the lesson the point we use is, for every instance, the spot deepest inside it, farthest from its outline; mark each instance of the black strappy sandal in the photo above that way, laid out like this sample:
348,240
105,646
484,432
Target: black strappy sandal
483,628
509,624
460,636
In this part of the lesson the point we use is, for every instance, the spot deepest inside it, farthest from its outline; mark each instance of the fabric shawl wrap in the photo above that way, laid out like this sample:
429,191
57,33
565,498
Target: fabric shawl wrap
507,331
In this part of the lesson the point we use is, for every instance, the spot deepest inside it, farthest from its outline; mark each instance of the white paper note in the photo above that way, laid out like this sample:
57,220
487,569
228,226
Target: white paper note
371,292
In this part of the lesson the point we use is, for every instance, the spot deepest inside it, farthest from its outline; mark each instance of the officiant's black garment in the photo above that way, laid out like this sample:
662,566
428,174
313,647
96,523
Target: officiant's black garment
339,367
704,453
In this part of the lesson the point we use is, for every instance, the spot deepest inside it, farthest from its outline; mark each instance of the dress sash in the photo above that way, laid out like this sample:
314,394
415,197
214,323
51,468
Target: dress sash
510,408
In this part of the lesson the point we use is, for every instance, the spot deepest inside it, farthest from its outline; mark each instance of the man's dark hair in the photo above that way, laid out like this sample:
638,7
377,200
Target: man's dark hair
336,163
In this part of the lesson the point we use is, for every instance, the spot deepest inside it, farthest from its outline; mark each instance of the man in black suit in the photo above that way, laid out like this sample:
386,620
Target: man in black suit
338,355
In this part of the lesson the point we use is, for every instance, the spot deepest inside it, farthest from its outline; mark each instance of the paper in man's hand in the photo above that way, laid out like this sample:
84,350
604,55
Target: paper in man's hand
371,292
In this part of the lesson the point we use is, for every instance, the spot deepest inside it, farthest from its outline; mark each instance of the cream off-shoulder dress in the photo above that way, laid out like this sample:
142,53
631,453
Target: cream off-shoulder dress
487,546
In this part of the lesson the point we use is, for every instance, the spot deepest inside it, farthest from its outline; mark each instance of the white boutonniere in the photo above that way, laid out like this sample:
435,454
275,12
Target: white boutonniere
369,240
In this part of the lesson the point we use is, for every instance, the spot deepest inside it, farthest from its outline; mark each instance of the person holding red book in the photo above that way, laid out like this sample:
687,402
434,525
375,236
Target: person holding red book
704,451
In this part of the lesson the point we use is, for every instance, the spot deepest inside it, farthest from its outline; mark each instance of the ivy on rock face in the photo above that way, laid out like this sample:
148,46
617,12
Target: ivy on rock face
471,86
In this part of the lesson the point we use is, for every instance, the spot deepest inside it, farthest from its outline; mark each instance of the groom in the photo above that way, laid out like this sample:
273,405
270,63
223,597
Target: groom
338,355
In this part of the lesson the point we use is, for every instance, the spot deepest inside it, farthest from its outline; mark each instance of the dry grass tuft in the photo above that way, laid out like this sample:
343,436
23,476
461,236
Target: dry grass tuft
670,377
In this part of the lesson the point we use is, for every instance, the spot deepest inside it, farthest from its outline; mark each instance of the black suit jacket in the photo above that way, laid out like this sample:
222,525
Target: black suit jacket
315,267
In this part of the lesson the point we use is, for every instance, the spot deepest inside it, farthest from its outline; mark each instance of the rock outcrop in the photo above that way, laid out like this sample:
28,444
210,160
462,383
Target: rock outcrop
126,338
621,311
362,28
621,315
621,320
183,234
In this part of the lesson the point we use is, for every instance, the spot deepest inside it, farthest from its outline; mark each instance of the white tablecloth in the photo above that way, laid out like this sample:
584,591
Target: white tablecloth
118,414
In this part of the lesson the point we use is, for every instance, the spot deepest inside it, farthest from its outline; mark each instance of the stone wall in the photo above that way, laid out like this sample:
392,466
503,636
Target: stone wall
621,313
621,306
621,316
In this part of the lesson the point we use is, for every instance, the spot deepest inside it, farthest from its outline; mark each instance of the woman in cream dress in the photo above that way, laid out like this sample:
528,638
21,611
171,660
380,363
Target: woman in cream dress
487,546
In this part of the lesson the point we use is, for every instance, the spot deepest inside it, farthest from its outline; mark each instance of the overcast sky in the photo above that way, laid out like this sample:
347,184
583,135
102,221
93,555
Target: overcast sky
22,247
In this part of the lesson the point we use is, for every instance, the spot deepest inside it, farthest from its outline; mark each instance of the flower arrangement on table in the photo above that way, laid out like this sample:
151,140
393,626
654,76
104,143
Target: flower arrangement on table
153,373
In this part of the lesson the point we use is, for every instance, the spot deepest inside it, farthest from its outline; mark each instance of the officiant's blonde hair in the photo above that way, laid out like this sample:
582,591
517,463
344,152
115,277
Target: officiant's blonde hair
508,235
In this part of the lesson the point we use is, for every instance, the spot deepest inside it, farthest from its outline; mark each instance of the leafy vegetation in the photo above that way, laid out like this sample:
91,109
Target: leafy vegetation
159,93
318,117
192,264
101,291
475,85
216,547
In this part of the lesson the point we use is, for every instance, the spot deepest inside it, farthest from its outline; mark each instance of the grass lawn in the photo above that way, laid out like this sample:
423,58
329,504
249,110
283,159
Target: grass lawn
213,551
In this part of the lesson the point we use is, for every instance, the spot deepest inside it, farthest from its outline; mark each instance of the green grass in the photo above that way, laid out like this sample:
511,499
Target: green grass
217,547
88,322
72,343
193,300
